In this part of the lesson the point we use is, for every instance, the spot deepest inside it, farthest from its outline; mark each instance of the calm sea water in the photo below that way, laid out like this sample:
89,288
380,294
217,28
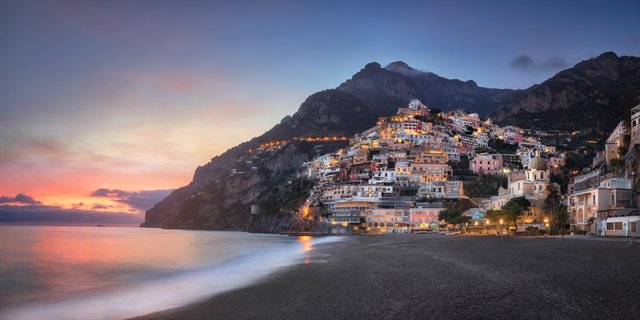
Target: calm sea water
53,272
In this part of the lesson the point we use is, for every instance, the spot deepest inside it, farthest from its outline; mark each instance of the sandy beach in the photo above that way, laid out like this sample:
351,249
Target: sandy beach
431,276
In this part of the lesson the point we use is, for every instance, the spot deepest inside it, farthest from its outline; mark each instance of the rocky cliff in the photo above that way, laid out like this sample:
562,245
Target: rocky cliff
595,93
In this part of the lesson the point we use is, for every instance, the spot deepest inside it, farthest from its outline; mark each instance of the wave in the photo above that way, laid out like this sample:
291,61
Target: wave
176,290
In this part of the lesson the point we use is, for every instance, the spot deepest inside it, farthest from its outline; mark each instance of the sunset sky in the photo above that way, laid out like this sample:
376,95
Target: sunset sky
107,106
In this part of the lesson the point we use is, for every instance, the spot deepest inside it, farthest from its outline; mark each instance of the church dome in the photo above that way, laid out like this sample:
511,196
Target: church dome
537,162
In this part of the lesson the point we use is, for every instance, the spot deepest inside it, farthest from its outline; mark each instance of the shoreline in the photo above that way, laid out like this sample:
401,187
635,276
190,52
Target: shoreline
419,276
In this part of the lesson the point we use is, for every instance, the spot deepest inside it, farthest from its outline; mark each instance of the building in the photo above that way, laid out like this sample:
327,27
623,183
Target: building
614,143
533,184
486,163
351,212
598,202
635,126
441,190
425,217
626,223
432,171
383,176
387,220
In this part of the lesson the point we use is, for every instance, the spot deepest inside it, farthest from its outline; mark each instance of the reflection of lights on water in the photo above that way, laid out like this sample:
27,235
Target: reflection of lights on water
306,242
306,246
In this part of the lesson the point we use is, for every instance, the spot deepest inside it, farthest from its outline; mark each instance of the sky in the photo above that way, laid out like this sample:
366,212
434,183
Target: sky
106,106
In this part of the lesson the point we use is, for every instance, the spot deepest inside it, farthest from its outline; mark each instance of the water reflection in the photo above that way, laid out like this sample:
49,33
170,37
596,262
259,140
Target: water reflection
307,246
78,259
55,261
106,273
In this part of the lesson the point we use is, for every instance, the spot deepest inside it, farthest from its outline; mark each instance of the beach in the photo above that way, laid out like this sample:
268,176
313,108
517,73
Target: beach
423,276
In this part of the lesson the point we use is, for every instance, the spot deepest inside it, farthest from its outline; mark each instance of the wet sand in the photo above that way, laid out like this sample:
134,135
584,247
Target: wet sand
430,276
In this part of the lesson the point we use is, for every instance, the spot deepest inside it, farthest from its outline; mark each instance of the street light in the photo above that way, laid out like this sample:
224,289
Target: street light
546,223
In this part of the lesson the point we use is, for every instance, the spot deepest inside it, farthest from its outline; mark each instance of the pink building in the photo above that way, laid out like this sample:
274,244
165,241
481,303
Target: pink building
424,215
487,164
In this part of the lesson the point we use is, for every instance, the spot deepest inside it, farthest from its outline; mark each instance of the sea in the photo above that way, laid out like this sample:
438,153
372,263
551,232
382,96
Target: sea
72,272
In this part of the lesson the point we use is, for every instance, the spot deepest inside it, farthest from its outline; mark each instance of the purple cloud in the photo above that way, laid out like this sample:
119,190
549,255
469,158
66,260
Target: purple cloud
141,200
19,198
43,214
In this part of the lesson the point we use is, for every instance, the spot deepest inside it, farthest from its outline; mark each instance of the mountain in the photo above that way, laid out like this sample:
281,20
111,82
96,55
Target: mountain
600,90
218,198
596,92
397,83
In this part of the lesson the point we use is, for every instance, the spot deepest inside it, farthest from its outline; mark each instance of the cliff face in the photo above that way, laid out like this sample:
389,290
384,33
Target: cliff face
597,92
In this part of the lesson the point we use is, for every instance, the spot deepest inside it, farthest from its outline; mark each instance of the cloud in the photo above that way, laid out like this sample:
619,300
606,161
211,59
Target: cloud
43,214
524,62
20,198
140,200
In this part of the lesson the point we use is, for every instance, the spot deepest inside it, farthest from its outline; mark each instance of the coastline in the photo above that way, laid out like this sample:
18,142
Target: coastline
433,276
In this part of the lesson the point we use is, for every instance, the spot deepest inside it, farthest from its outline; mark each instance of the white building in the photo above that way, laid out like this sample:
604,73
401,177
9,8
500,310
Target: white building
383,176
599,202
533,184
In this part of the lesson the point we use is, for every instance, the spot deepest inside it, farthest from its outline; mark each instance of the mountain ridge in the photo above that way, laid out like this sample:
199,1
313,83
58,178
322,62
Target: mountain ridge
602,89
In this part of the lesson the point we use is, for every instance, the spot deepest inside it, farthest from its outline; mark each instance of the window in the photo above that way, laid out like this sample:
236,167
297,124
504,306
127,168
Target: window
613,199
593,199
618,226
609,225
634,227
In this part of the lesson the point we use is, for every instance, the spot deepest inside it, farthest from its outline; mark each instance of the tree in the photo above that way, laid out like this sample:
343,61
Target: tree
554,207
561,215
485,185
494,216
514,208
453,216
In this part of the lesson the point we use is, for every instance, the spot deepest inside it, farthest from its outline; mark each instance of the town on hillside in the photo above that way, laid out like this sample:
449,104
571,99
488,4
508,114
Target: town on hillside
424,170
